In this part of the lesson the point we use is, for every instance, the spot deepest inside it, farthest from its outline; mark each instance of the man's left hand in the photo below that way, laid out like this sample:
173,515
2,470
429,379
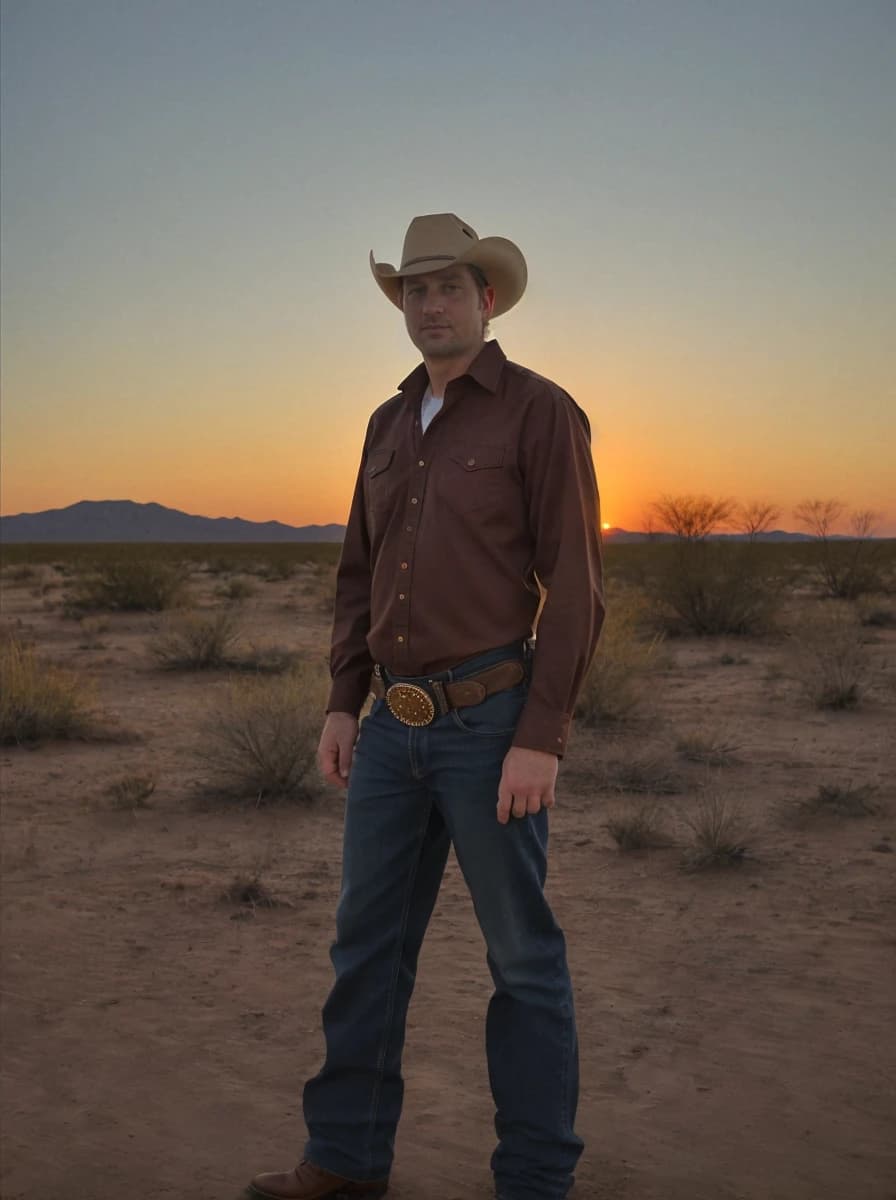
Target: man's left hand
527,783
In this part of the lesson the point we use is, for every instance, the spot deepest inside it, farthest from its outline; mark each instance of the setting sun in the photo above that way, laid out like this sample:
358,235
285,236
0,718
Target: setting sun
606,525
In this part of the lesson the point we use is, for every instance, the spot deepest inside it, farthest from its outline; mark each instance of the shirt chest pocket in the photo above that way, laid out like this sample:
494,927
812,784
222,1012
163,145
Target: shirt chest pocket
473,477
379,479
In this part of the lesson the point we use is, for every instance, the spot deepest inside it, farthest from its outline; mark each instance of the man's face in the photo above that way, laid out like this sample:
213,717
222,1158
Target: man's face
445,312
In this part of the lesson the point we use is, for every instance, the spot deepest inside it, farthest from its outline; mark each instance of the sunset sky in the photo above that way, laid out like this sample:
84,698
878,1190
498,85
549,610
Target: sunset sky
705,192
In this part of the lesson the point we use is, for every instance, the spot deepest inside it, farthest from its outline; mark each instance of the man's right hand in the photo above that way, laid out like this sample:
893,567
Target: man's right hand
337,742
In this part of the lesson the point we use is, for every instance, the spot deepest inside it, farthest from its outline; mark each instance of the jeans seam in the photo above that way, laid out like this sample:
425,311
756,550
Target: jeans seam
393,987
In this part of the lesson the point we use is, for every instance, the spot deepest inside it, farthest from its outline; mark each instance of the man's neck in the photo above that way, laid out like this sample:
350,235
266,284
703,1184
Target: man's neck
442,370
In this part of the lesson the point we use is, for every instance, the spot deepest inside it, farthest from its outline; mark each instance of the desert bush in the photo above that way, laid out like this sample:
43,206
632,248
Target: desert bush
127,585
21,574
837,800
830,659
197,642
236,589
640,830
251,892
38,700
615,684
718,835
262,740
876,611
708,588
712,747
131,791
267,660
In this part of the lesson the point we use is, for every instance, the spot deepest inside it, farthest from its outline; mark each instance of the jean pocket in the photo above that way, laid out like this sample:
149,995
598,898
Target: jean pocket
496,716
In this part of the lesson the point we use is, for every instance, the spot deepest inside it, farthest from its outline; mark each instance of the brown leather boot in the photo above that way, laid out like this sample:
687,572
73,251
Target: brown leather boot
308,1182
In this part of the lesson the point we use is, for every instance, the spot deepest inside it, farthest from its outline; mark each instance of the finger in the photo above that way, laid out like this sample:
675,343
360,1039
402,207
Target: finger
519,806
346,750
534,804
549,800
328,764
505,799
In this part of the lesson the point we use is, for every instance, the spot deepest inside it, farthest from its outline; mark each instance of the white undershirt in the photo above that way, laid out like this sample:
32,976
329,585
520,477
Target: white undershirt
429,407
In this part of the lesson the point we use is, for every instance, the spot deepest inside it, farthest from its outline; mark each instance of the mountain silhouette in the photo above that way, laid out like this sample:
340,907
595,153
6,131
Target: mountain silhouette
127,521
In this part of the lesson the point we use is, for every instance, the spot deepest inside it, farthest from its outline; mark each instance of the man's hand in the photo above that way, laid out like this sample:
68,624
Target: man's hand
334,752
527,783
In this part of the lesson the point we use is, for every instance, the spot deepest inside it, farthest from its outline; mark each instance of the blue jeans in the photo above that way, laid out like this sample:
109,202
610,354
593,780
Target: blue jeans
412,792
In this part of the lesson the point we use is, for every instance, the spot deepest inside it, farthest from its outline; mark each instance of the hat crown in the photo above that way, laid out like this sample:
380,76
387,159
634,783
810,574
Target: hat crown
436,237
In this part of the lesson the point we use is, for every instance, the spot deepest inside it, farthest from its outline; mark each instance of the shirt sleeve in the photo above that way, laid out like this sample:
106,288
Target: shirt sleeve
564,514
351,663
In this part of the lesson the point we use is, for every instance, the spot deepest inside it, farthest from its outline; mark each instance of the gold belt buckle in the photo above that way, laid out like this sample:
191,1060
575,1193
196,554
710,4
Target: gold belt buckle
410,704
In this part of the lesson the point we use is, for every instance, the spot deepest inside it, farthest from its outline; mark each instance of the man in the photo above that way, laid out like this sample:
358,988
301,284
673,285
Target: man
476,485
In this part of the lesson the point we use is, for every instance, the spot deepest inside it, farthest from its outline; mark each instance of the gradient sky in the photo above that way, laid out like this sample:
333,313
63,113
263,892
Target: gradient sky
705,193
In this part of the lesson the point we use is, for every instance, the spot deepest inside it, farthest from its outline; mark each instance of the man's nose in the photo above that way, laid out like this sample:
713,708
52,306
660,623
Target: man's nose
432,302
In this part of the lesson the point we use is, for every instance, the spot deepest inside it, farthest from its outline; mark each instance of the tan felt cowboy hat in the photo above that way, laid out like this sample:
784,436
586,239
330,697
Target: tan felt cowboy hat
442,240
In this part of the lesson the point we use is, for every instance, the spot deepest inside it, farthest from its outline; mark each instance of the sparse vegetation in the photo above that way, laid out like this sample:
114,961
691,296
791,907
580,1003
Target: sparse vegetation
615,685
131,791
236,589
261,741
837,800
130,585
708,746
640,830
830,658
644,772
250,892
847,567
198,642
719,835
38,701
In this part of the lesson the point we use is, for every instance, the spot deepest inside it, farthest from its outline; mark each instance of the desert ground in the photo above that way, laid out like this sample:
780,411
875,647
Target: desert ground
165,955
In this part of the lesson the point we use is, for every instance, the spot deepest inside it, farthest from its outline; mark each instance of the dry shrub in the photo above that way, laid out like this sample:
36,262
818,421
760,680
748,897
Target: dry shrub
719,835
644,772
250,892
640,830
715,588
197,642
836,800
711,747
131,791
236,589
262,740
38,700
130,585
616,682
830,658
877,612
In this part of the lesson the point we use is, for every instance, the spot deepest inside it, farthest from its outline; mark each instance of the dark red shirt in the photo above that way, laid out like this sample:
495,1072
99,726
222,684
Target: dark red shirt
452,530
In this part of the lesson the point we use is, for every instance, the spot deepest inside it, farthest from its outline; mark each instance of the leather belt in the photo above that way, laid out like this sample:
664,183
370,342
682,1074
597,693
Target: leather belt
420,704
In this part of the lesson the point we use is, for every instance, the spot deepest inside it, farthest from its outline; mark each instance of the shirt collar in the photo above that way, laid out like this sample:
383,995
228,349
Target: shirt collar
485,368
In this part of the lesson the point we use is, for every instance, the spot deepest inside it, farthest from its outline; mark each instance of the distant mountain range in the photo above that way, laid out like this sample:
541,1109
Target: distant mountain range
127,521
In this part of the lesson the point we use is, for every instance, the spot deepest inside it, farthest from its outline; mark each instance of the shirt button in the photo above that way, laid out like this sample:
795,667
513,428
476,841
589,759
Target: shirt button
413,499
421,463
401,595
404,566
399,638
409,528
471,462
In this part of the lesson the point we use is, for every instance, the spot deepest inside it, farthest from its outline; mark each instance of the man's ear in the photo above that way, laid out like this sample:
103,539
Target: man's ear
488,300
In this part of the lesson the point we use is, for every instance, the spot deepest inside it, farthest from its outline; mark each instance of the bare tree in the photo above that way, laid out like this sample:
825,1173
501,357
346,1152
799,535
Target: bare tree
692,517
848,565
755,517
820,516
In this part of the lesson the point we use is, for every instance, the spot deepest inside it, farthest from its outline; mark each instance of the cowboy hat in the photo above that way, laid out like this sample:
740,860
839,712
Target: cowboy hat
441,240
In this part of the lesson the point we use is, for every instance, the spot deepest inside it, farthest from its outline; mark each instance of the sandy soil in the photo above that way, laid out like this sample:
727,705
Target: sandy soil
736,1026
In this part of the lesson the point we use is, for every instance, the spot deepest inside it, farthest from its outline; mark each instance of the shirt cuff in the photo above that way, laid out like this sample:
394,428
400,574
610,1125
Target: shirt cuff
348,693
542,729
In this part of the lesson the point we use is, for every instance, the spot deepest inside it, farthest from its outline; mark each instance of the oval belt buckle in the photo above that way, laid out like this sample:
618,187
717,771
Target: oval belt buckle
412,705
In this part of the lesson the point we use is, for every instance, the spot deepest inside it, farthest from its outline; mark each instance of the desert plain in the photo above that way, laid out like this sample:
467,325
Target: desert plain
165,943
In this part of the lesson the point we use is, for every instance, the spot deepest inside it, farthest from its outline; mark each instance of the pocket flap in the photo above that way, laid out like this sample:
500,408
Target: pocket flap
377,461
476,458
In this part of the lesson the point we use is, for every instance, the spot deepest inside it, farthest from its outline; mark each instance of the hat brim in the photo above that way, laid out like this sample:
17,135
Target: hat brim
500,261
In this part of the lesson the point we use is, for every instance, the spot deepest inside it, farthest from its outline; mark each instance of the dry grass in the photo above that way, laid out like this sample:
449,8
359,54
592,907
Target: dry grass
711,747
718,835
616,682
646,771
261,742
39,701
249,892
640,830
236,589
830,658
197,642
851,801
131,791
